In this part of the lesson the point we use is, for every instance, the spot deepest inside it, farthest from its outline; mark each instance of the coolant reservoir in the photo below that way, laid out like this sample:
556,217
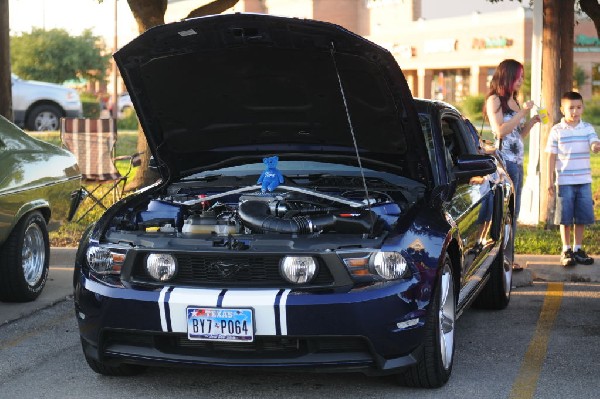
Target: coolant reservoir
206,223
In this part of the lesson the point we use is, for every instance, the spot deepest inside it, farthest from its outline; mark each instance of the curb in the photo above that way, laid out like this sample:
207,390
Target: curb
547,268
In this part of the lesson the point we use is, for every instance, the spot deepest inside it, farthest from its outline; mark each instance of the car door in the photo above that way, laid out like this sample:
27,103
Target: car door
471,205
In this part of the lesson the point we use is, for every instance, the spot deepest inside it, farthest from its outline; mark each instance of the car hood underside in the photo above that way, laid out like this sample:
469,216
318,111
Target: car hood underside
218,88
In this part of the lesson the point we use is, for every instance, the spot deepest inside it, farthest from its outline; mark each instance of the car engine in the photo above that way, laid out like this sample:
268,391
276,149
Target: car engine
193,211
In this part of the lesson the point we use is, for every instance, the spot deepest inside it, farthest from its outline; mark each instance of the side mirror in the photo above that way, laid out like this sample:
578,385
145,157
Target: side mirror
471,165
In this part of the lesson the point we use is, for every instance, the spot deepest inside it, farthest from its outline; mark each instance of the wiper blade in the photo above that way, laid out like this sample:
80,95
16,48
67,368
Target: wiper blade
207,178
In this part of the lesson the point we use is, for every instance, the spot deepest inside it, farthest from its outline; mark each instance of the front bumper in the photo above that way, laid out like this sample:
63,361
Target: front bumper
374,330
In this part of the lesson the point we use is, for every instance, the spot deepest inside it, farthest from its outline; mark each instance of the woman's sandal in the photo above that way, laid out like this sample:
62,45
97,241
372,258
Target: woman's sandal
517,267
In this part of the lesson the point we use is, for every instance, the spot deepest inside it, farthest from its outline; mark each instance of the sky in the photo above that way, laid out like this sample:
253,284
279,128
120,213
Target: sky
72,15
452,8
77,15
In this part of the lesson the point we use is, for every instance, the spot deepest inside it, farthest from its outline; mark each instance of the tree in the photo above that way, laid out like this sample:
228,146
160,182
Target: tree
149,13
552,85
5,82
55,56
592,9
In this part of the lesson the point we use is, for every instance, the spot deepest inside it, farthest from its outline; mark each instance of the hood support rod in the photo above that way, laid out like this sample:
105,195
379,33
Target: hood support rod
343,93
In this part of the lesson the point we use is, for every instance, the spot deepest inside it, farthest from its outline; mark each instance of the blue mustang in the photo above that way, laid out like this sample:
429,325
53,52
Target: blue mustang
360,260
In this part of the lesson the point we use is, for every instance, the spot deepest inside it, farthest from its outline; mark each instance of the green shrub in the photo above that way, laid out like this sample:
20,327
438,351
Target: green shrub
129,120
591,113
91,105
472,107
91,109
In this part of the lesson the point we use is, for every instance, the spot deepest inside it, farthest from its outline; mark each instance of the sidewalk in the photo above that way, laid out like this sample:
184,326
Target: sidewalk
547,268
58,287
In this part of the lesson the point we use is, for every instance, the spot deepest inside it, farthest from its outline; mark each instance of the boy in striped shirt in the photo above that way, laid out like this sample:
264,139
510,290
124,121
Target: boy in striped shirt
569,147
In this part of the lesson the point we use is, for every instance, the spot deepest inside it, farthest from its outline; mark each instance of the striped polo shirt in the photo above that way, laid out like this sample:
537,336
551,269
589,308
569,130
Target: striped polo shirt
572,146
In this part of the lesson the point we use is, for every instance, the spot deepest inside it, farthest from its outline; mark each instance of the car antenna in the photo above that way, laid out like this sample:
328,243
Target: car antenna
362,173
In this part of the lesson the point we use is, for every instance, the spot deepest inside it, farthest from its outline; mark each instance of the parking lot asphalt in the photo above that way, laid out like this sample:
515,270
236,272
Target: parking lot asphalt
542,268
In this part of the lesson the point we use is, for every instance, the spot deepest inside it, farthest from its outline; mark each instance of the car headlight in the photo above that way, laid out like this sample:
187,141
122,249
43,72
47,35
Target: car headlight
161,267
73,95
103,260
389,265
298,269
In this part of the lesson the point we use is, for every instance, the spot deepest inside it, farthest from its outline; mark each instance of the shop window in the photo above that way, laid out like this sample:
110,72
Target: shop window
450,85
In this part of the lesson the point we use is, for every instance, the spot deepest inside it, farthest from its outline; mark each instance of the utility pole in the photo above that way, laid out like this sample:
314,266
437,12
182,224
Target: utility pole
530,196
115,94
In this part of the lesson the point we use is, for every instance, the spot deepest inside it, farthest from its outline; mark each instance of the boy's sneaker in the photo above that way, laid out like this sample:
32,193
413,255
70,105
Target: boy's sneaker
567,258
582,258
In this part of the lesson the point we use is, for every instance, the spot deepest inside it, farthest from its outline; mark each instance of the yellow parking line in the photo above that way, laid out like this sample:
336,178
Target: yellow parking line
526,383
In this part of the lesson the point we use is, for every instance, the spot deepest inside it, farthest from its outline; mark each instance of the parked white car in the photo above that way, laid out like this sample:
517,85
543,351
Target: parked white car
40,105
124,103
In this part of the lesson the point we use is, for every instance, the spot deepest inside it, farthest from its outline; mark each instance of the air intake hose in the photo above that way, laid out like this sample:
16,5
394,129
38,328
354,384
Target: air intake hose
257,216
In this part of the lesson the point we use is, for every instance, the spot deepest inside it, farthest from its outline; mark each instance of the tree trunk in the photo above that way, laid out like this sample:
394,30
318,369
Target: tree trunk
550,96
5,80
149,13
592,9
216,7
567,23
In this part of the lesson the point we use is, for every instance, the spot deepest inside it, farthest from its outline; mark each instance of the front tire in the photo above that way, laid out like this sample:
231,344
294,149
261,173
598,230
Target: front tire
434,363
44,117
25,260
495,295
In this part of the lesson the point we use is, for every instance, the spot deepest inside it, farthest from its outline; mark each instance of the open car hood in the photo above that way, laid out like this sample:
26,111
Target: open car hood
222,89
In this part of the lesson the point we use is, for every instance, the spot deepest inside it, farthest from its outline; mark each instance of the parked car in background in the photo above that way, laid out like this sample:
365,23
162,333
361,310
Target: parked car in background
40,105
312,216
36,183
124,104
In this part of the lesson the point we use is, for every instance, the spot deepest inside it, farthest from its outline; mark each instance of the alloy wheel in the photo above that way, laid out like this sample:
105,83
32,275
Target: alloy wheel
46,121
447,317
33,254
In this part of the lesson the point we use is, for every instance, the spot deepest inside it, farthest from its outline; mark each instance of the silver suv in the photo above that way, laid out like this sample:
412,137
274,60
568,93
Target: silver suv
40,105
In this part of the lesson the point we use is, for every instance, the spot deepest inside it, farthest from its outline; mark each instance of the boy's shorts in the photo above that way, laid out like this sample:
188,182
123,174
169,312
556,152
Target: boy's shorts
487,206
574,204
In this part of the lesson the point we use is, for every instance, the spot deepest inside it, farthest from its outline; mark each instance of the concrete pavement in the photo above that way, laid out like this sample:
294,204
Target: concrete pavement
59,285
547,268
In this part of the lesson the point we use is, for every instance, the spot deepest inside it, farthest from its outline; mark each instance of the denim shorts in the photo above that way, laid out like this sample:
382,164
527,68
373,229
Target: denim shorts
574,204
487,206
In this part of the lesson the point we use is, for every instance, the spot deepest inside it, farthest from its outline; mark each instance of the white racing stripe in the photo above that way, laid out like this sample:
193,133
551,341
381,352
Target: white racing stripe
282,312
161,307
181,298
262,301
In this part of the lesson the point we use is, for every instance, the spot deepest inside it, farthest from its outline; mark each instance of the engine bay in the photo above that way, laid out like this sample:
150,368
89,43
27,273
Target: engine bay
218,208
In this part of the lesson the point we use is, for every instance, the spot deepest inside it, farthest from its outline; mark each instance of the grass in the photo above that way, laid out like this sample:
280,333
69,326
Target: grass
529,239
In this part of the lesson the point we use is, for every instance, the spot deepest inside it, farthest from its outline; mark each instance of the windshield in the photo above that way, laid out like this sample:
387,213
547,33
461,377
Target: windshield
311,170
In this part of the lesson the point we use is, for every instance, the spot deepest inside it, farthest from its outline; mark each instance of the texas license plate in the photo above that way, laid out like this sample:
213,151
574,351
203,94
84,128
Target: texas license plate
220,324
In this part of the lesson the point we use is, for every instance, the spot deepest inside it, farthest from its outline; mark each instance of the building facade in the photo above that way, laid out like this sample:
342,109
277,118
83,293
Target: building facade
445,58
